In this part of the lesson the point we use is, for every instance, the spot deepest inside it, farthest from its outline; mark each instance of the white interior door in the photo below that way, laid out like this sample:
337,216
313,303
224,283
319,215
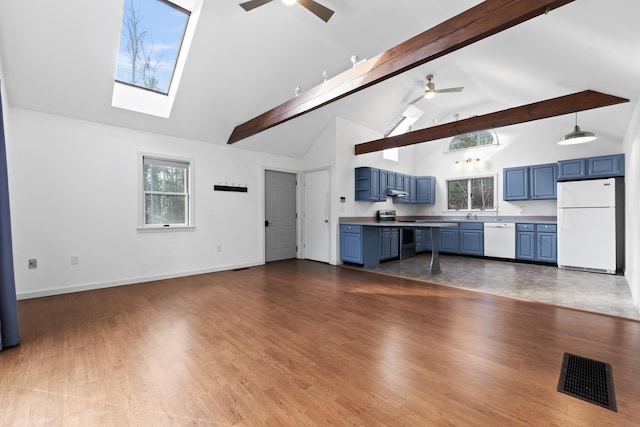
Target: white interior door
280,215
317,206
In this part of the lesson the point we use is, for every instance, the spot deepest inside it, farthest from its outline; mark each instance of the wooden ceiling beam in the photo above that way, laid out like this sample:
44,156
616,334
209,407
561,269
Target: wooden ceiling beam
567,104
479,22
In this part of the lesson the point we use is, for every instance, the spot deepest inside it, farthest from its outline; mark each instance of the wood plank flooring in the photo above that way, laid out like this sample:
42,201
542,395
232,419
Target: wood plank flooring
299,343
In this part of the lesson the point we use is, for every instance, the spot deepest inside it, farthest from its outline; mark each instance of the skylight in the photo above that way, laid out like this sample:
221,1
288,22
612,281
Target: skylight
150,40
155,37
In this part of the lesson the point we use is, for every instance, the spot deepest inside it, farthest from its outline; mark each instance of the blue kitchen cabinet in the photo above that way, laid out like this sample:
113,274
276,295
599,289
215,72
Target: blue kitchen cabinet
536,182
537,242
388,243
525,242
425,189
400,181
423,240
546,243
409,185
592,167
572,169
515,183
543,181
471,238
605,166
391,180
449,240
368,184
384,183
358,244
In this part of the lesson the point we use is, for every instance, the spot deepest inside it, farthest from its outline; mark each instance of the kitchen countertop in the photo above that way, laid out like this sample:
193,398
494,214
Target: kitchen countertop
449,220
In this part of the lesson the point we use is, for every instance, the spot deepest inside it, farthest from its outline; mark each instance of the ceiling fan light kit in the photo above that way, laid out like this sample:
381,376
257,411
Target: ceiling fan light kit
430,90
578,136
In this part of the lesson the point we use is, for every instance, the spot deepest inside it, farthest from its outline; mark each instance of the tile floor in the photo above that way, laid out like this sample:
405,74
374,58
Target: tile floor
602,293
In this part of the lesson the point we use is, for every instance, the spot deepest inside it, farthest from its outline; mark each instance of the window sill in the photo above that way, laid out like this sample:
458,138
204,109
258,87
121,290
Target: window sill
165,229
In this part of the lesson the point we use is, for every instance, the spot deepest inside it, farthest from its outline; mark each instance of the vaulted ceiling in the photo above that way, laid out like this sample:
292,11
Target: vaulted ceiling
59,57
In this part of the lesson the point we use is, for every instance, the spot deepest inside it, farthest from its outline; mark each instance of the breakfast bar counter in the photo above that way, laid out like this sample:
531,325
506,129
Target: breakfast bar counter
364,234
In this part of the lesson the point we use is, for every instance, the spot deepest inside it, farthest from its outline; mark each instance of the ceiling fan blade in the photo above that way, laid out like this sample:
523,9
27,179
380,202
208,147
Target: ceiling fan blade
252,4
317,9
416,100
451,89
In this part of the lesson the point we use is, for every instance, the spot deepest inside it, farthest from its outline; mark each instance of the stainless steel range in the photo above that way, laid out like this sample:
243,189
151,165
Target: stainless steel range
407,236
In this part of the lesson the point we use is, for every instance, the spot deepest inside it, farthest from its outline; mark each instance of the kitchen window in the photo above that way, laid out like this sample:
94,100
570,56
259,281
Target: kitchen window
471,193
166,192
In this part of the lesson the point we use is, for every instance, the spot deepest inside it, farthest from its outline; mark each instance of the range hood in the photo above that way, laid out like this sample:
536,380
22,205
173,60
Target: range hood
396,193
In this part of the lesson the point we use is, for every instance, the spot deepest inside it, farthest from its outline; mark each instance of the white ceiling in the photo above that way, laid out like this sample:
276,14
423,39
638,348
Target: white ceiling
60,57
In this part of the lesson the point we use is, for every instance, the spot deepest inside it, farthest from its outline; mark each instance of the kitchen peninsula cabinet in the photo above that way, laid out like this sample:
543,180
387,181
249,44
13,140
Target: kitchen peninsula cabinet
389,243
359,244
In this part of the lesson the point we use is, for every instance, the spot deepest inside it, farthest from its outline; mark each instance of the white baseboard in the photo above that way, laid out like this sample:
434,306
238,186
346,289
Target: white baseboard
101,285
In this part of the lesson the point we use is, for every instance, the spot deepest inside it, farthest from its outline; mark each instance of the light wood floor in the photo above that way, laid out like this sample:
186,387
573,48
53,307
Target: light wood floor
299,343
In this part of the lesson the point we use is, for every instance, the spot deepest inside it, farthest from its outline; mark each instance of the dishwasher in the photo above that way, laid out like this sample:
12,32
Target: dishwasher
500,239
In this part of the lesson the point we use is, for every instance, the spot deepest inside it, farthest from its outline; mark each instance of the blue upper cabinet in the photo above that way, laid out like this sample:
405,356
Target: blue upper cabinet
425,189
605,166
537,182
592,167
572,169
515,183
368,183
543,179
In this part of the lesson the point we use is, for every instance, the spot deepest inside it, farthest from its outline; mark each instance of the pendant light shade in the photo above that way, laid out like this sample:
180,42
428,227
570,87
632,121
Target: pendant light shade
577,136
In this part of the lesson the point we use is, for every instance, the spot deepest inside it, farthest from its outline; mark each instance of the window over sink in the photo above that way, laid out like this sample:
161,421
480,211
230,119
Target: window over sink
471,193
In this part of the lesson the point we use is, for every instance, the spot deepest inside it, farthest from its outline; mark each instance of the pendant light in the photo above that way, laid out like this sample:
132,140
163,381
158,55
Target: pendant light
577,136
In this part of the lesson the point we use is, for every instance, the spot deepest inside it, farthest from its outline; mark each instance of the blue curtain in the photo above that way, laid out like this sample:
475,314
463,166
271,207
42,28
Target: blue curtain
9,324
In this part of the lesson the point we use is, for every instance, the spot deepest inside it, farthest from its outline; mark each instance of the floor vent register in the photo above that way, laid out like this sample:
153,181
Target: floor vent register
587,379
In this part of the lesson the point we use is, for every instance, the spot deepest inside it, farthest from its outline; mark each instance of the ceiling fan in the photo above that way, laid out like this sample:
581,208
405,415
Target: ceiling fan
312,6
430,89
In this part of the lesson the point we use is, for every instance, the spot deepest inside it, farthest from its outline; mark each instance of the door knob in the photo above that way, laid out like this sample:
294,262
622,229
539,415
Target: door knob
326,220
266,223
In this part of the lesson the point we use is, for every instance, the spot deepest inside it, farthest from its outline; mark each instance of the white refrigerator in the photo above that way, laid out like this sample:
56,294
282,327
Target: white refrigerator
591,225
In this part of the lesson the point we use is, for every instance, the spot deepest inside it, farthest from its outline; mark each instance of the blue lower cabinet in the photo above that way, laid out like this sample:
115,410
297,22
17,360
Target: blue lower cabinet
449,240
525,242
423,241
537,242
471,238
351,243
388,243
358,244
546,243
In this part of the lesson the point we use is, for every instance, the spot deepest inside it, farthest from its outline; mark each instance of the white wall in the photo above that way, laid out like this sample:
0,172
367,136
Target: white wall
632,207
73,187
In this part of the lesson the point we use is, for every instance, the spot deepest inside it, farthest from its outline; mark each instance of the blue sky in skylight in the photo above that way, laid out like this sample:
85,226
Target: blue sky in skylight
160,29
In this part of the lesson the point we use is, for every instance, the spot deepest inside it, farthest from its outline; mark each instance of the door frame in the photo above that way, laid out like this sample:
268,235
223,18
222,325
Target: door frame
263,185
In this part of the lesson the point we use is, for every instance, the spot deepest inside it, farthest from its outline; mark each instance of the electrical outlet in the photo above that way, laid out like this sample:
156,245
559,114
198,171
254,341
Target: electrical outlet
33,263
75,260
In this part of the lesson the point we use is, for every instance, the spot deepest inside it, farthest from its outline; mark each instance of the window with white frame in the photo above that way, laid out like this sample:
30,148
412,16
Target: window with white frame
166,186
471,193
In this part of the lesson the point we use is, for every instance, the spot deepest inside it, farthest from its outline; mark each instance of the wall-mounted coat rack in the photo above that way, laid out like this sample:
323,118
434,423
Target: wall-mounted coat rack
233,187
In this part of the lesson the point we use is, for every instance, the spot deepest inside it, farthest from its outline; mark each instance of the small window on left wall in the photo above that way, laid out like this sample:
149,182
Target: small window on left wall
166,192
